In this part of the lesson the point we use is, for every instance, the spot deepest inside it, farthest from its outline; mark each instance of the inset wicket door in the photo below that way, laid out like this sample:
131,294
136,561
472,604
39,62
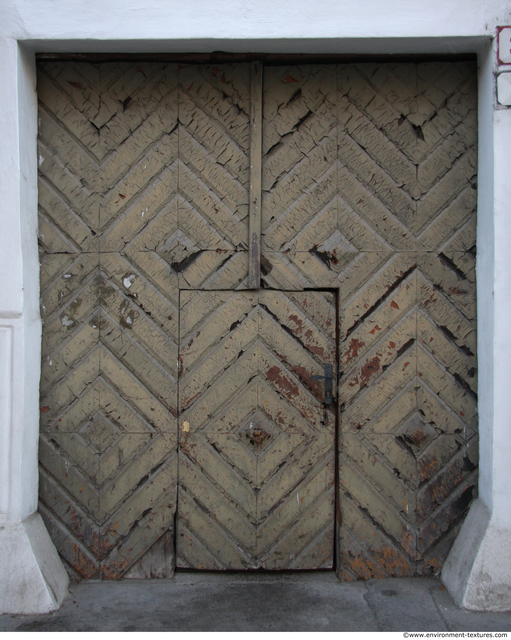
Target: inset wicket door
256,484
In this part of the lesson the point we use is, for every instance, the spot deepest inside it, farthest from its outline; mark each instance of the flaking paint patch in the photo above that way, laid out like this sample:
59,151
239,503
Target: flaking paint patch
287,386
128,280
127,315
354,347
394,563
368,370
67,321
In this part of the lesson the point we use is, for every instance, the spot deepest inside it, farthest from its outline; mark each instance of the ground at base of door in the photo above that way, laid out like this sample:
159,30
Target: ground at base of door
259,602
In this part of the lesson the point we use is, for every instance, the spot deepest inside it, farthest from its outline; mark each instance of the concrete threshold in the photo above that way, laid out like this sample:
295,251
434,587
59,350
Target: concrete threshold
283,601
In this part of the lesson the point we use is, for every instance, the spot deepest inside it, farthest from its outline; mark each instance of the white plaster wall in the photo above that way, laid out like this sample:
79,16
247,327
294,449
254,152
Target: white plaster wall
11,294
5,415
245,19
19,293
501,440
334,26
342,26
484,272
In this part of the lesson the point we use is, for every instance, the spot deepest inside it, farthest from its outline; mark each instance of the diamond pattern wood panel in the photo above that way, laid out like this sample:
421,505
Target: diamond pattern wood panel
257,443
370,174
143,191
369,188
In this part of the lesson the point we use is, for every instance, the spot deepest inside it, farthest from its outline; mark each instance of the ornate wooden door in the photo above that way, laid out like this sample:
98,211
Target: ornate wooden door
256,432
167,194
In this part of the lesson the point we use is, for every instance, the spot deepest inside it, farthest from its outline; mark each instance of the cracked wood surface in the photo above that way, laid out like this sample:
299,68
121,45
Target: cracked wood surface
143,188
254,206
369,177
256,441
368,187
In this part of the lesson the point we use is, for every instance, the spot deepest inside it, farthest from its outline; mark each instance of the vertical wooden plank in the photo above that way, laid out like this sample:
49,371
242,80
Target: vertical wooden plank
254,209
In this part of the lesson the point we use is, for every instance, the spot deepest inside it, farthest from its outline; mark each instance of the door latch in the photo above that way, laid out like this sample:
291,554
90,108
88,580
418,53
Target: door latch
329,374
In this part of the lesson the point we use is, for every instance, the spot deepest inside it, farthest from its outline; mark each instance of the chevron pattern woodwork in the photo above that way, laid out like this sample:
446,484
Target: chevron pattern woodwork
143,191
369,189
257,443
370,175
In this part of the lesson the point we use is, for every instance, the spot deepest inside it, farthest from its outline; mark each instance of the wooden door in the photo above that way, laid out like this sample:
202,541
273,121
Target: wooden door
143,192
157,178
256,436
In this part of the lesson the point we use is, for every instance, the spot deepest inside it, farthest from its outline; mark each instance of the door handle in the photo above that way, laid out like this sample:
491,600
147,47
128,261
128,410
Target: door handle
328,377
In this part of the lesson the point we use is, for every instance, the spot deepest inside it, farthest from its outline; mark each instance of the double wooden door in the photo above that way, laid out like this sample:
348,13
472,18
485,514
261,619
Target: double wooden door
204,233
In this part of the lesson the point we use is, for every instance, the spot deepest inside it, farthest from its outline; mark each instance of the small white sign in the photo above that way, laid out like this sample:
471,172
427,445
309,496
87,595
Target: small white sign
505,45
504,89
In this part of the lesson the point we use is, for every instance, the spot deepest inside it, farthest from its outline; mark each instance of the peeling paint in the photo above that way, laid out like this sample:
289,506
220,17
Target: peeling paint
288,387
368,370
